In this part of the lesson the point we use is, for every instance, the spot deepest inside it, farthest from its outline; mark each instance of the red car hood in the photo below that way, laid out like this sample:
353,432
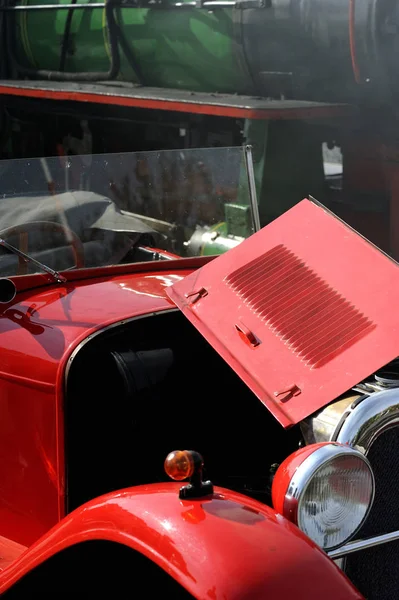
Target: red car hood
302,311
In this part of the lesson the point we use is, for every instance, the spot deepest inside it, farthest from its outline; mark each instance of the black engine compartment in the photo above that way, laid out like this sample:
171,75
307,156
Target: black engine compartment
139,390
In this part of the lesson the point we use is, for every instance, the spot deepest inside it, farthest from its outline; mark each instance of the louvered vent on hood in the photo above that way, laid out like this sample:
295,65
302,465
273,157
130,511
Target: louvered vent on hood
307,314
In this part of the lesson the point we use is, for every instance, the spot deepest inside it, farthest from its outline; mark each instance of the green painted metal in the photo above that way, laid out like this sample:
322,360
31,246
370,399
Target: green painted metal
219,246
221,242
179,48
238,219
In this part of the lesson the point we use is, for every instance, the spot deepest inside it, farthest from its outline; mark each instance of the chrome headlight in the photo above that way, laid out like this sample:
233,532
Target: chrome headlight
327,490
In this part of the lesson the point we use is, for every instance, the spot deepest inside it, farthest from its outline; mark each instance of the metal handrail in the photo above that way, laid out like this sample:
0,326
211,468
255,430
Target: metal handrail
93,6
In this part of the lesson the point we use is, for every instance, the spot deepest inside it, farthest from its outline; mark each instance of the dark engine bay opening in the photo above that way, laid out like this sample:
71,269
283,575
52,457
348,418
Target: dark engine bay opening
142,389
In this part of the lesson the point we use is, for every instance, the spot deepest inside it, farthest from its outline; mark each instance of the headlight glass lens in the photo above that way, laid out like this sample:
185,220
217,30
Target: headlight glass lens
336,500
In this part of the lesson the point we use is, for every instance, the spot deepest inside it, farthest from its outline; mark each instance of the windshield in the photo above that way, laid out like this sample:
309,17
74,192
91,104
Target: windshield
98,210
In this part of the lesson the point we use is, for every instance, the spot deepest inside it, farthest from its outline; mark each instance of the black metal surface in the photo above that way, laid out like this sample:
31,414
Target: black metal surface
3,45
376,571
324,49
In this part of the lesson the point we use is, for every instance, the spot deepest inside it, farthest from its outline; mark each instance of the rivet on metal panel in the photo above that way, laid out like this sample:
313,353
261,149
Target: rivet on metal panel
196,295
288,393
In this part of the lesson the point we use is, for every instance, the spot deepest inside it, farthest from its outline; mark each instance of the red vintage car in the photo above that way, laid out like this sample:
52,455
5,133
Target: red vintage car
262,381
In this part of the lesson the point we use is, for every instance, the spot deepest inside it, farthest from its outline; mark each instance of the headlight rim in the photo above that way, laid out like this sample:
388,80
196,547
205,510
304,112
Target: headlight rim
318,456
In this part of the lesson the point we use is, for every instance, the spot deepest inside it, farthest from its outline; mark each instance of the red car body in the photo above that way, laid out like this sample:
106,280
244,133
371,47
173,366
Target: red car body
227,546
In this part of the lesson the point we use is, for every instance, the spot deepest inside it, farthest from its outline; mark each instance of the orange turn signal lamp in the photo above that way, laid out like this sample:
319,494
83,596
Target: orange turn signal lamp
188,464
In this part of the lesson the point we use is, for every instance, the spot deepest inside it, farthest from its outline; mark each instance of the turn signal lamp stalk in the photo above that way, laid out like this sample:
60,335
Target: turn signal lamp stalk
188,464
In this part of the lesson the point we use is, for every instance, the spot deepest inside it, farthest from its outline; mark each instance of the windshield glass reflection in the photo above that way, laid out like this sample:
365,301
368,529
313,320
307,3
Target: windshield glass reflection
99,210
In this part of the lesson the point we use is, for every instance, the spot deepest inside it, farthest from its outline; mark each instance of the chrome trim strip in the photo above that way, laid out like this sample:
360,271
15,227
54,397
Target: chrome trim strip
358,545
252,187
369,419
340,562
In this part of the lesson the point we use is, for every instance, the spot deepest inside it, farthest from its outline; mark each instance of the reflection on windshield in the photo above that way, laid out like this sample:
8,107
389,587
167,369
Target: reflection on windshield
97,210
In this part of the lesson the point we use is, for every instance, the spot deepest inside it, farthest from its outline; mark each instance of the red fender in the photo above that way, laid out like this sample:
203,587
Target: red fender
227,546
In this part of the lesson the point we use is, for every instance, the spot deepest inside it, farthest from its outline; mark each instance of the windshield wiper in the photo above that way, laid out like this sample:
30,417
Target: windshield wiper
54,274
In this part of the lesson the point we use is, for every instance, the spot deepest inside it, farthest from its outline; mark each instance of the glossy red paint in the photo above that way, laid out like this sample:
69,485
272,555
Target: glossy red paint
239,548
285,473
292,315
9,552
36,280
38,332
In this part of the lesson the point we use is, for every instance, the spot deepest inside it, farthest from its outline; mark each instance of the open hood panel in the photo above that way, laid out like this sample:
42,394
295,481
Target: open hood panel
302,310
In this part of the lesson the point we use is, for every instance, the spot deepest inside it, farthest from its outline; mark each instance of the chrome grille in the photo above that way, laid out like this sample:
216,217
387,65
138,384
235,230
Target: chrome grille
375,572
